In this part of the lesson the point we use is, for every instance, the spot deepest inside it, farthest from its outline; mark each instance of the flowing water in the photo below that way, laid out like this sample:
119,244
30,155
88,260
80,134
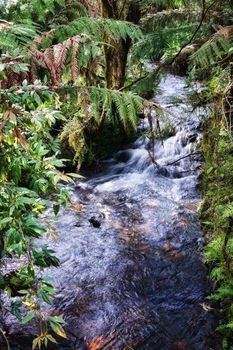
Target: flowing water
132,274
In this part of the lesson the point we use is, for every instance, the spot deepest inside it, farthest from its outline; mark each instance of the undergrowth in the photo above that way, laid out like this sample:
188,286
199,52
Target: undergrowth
217,219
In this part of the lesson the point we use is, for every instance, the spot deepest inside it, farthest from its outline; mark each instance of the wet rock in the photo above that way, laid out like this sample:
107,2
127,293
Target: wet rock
162,171
123,156
95,222
181,63
78,224
192,138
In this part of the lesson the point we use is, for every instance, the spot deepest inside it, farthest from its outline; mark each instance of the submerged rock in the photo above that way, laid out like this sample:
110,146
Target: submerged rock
95,223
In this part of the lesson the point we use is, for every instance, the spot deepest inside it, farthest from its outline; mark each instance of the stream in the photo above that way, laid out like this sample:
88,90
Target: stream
132,274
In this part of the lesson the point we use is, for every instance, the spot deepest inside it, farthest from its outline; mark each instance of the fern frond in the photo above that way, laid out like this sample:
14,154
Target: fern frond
98,28
164,3
54,58
127,105
154,44
40,8
73,135
106,107
214,49
170,18
80,9
16,36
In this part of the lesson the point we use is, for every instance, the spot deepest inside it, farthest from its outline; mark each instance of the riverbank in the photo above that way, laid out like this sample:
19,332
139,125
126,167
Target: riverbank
216,216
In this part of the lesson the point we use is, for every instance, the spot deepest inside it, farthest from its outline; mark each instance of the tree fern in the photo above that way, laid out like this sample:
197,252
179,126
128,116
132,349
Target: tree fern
164,3
98,107
154,44
170,18
16,36
214,49
97,28
28,9
126,105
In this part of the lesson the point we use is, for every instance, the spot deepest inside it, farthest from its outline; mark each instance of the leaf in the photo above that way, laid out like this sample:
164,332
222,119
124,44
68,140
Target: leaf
5,221
51,338
48,288
2,67
56,319
31,306
15,308
35,343
75,175
28,317
26,200
57,328
45,297
210,170
66,178
23,291
12,117
37,98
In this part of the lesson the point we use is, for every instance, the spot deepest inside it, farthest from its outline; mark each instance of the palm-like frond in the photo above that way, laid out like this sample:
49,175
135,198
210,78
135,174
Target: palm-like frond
164,3
170,18
155,43
13,36
214,49
100,106
32,8
54,58
97,28
126,105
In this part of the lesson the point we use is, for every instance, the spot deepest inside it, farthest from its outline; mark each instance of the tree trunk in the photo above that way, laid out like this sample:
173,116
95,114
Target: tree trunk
116,54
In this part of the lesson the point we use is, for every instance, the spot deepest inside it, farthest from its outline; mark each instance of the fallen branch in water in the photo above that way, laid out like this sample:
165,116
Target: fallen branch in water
188,155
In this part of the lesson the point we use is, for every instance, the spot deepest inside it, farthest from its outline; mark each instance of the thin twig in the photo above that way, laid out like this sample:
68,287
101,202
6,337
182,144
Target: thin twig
133,83
188,155
204,13
158,68
4,336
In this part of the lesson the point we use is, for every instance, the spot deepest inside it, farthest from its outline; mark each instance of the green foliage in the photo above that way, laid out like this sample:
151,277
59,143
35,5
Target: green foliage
16,36
165,3
217,214
66,43
126,105
30,9
94,108
96,28
214,50
170,18
29,170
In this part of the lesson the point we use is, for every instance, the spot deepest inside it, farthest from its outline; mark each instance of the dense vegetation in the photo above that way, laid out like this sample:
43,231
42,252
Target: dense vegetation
72,74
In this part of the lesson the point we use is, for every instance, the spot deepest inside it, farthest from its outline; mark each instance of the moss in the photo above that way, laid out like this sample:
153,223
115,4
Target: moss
85,149
216,217
104,143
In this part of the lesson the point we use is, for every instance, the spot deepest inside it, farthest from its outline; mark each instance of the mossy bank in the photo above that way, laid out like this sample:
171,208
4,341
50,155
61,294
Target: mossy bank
217,216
